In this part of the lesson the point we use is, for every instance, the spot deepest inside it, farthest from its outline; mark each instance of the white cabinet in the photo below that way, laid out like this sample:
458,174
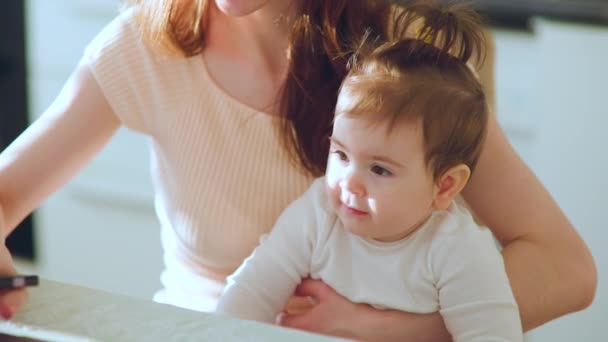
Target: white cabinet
516,85
570,152
100,230
551,89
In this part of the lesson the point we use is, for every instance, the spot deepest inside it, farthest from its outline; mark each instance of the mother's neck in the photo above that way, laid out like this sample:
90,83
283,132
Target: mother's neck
261,37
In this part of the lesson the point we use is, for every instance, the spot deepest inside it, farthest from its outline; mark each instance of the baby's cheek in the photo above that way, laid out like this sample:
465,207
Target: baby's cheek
333,191
331,177
372,204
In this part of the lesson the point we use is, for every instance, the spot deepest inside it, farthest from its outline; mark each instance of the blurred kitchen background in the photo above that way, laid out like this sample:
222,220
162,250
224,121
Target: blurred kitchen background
100,230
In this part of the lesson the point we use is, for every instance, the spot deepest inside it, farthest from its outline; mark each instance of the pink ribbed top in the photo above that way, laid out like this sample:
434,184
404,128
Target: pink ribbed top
221,177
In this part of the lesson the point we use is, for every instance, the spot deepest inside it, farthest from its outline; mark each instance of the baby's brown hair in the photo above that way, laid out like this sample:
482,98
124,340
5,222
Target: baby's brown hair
425,79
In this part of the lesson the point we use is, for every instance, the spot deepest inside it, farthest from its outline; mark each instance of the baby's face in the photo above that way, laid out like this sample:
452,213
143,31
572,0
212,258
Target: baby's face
379,184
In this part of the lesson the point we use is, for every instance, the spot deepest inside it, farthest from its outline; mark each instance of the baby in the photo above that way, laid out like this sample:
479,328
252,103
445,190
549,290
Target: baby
383,227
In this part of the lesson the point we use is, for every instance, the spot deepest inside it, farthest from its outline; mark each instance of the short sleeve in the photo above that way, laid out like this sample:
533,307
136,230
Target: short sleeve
117,58
475,297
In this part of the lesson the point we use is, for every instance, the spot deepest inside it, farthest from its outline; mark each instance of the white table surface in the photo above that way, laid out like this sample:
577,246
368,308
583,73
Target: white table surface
63,312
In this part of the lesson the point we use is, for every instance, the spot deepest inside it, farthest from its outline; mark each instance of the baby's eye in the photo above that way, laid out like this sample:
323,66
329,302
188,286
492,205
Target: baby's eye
380,171
341,155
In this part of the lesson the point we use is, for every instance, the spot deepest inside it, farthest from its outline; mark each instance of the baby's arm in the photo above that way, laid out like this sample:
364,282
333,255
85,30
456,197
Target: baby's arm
260,287
475,297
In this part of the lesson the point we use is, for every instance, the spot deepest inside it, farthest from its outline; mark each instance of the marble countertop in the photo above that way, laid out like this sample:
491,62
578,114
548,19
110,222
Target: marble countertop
63,312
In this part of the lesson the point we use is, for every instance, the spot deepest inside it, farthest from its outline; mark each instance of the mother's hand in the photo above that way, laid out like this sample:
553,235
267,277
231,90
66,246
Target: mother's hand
316,307
329,313
10,300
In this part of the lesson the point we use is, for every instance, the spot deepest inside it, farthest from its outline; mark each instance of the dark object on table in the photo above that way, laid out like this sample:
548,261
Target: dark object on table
19,281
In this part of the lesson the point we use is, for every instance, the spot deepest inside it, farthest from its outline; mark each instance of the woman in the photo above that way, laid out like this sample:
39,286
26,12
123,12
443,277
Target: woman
238,97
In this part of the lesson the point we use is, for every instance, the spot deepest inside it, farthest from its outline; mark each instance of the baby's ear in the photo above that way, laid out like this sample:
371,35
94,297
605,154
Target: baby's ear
449,185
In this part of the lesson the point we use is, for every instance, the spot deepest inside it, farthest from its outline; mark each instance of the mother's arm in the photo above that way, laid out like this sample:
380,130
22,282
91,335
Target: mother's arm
550,268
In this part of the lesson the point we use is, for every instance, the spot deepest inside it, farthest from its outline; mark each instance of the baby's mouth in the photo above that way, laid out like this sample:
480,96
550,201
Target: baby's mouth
353,210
